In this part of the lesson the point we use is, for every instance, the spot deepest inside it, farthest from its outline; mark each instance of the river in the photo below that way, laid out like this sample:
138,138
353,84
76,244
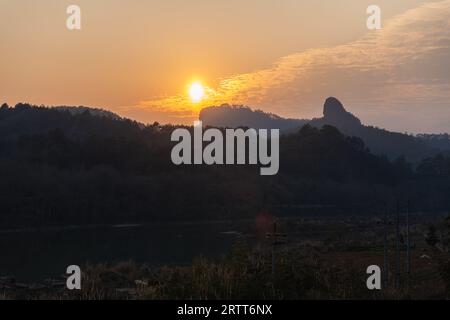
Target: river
36,254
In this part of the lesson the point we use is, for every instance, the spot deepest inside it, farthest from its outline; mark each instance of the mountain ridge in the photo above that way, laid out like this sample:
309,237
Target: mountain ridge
379,141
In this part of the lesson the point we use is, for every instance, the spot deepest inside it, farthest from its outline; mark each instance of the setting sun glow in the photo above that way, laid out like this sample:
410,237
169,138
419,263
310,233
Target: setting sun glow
196,92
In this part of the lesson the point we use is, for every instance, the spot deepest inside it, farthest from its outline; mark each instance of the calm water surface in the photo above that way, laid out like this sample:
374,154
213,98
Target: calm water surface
32,255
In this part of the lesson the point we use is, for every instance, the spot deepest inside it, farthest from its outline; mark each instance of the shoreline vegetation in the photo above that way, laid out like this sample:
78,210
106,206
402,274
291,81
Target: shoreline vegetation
331,268
299,274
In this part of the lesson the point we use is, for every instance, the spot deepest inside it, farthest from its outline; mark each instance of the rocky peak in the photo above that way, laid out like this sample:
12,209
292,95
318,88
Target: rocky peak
335,113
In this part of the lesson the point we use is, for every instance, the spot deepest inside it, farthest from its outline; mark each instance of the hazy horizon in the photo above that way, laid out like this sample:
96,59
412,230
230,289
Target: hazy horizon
284,57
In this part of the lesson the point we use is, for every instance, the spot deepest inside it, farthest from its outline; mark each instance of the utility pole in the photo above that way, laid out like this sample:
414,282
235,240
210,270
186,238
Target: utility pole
408,247
386,263
276,239
397,247
273,247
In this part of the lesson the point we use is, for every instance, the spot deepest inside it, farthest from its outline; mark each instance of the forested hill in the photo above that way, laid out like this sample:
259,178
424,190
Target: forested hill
28,119
227,116
379,141
61,167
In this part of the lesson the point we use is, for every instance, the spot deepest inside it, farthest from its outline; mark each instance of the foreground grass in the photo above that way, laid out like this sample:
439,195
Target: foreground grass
242,274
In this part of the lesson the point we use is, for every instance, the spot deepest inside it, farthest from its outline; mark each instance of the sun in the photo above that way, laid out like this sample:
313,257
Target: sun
196,92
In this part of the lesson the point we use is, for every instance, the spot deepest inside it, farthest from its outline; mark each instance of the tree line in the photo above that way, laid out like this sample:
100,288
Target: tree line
58,166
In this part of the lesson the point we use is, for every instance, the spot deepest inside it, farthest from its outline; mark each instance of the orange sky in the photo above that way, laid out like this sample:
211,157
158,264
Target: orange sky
137,58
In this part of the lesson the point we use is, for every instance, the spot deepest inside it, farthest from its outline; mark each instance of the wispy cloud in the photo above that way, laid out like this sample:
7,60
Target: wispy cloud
402,69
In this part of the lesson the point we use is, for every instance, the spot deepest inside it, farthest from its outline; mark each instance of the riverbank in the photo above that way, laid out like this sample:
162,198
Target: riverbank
243,273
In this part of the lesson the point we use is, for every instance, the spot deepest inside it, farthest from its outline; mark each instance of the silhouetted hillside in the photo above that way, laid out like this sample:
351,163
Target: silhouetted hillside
227,116
60,167
92,111
335,114
438,141
28,119
379,141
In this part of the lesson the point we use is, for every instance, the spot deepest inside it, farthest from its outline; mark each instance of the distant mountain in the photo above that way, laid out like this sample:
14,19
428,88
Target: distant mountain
70,166
335,114
438,141
379,141
58,166
24,118
93,111
29,119
240,116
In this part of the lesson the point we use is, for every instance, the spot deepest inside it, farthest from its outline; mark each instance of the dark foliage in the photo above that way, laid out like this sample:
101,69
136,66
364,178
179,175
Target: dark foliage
58,166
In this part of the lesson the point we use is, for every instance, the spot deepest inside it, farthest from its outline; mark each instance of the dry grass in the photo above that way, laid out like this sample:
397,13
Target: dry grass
303,272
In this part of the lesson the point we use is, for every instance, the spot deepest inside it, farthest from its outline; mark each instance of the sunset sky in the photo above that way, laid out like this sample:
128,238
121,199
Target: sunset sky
138,58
